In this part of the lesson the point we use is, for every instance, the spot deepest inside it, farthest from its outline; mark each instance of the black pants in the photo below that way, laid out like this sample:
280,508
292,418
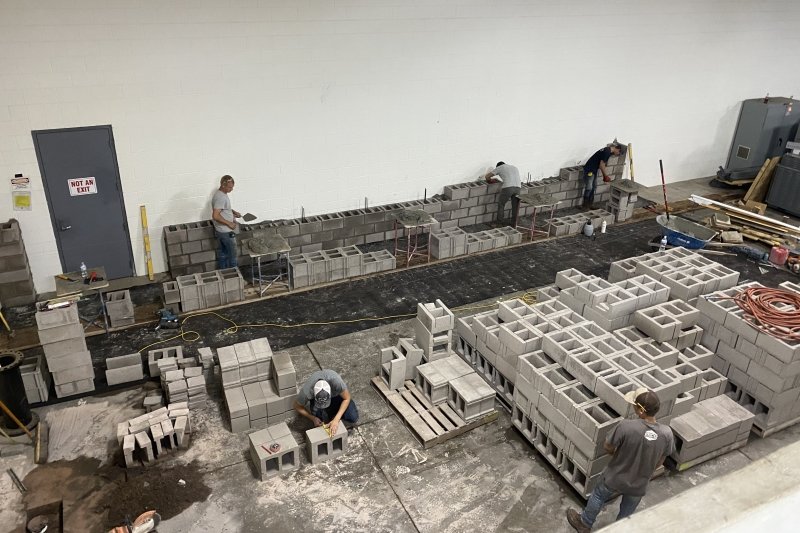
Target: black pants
506,194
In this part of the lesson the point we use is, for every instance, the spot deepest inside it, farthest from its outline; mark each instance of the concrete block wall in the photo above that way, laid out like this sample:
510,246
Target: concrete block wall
191,248
763,371
144,438
323,266
35,378
64,343
564,376
208,289
286,454
16,280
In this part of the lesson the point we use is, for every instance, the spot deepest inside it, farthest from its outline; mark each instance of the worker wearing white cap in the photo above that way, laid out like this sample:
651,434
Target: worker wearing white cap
324,398
638,447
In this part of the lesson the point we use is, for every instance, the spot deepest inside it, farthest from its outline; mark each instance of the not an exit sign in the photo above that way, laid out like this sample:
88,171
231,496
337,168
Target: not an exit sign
81,186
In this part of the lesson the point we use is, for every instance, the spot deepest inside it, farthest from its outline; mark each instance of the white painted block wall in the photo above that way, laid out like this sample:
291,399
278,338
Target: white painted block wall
321,103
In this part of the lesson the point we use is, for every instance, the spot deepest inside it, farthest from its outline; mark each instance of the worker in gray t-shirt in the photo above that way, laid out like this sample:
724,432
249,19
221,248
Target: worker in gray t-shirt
638,447
509,174
224,219
324,398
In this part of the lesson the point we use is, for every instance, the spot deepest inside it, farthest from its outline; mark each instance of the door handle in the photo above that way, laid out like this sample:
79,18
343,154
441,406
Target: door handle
65,228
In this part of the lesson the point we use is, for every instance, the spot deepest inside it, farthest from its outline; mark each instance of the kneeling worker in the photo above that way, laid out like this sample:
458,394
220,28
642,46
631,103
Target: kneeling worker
324,398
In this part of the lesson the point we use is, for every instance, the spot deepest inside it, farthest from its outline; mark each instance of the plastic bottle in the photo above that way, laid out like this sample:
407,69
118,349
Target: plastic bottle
84,272
588,228
603,226
663,244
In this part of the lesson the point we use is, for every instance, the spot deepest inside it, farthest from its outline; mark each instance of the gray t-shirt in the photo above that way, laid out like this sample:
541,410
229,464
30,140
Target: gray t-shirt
510,175
639,448
305,396
221,201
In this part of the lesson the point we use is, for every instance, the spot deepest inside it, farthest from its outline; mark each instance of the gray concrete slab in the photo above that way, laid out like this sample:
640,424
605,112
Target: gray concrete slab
355,358
349,493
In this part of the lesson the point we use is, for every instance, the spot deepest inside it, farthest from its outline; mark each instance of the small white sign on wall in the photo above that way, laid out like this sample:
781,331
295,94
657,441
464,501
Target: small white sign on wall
81,186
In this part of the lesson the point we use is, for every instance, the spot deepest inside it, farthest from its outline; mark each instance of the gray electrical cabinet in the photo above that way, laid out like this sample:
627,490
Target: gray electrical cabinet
762,131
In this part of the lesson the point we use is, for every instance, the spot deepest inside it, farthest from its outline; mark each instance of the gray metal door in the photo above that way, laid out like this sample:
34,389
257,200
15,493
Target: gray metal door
81,181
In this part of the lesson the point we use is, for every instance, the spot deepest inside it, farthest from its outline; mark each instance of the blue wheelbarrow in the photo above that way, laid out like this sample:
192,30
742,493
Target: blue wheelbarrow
682,232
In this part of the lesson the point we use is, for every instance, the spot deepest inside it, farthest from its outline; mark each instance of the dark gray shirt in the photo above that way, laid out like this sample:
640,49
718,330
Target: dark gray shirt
305,396
639,449
510,175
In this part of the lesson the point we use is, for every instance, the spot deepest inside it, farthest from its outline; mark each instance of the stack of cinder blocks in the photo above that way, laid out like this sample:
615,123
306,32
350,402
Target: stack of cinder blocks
566,376
491,239
64,344
163,360
715,424
124,369
447,242
686,273
573,224
209,289
185,385
323,446
324,266
260,387
622,203
35,378
119,308
274,451
191,248
146,437
16,282
433,329
763,370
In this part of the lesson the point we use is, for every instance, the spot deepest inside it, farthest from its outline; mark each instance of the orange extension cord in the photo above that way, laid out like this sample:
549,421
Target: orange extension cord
775,311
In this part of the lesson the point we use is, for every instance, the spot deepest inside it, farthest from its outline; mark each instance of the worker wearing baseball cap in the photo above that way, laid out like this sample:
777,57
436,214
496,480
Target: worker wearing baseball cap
324,398
638,446
590,169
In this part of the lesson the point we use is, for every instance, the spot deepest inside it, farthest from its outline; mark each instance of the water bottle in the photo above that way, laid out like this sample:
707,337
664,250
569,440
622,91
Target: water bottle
663,244
588,228
84,272
603,226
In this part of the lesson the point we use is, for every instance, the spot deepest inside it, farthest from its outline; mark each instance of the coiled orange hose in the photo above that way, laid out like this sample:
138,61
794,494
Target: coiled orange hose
774,311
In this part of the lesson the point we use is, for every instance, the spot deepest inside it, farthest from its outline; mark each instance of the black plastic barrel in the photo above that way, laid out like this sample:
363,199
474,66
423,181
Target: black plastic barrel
12,391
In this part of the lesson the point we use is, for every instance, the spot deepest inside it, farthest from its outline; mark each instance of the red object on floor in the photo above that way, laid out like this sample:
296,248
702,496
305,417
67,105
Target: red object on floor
778,255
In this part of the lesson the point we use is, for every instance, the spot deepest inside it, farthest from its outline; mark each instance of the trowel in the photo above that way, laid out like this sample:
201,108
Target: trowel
249,217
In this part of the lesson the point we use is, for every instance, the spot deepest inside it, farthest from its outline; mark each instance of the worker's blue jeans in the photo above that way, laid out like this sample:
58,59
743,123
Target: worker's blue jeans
590,185
600,497
326,415
226,255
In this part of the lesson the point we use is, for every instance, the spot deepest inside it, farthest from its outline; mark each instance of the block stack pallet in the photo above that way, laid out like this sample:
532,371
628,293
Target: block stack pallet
324,266
565,377
260,387
16,281
119,308
191,248
210,289
64,344
763,370
446,397
144,438
35,378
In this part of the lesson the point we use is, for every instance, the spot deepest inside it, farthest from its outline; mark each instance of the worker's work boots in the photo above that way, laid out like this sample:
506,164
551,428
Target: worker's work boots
574,519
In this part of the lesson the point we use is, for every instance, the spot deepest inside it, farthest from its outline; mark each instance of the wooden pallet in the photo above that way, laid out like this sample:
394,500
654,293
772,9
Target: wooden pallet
430,424
680,467
762,432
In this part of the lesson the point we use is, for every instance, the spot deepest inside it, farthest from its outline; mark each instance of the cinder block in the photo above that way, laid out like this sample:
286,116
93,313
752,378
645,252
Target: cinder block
324,447
470,397
612,389
392,367
436,317
61,333
283,371
125,374
61,316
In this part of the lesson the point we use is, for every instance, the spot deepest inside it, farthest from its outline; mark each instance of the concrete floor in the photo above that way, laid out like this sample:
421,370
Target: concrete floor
681,190
487,479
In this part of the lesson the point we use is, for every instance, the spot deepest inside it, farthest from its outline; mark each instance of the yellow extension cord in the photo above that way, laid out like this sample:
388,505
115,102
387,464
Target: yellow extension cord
192,336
